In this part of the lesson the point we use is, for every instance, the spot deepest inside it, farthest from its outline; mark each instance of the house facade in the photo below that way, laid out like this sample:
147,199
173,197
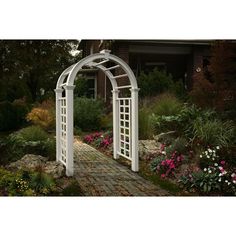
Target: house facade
182,58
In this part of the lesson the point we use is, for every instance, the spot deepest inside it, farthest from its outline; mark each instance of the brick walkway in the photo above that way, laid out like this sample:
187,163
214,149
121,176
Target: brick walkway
99,175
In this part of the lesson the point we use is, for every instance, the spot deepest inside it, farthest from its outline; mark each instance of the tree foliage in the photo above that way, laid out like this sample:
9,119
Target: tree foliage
26,66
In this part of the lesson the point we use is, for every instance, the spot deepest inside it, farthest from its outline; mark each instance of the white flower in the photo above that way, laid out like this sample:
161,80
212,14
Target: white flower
163,152
209,171
213,158
209,150
215,164
214,151
234,181
206,152
226,181
200,156
219,179
217,147
205,169
233,175
229,183
208,156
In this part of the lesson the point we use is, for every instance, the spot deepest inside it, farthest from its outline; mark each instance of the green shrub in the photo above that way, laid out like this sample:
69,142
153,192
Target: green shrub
179,144
179,90
20,108
88,113
41,182
155,82
183,121
7,116
146,130
214,132
81,87
12,115
167,105
30,140
165,123
33,133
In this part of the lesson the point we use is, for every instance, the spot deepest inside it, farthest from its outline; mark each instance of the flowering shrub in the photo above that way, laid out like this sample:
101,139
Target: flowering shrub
216,176
98,139
25,183
166,164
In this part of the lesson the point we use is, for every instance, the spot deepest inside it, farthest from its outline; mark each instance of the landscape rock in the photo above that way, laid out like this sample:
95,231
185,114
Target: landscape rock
32,162
164,136
29,161
147,147
55,169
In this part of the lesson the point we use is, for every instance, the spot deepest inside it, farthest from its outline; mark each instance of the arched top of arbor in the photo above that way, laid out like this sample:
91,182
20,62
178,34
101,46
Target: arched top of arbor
99,60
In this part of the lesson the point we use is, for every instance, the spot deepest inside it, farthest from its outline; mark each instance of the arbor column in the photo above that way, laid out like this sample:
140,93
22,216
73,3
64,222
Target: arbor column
69,129
134,129
58,92
116,142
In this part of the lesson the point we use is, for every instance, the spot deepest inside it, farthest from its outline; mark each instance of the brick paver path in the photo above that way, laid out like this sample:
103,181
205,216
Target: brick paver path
99,175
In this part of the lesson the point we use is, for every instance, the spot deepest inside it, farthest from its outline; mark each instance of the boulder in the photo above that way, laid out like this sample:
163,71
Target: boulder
164,136
32,162
55,169
28,161
147,147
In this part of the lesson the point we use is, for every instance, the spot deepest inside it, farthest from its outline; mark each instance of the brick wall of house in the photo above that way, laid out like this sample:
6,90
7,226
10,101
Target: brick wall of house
197,67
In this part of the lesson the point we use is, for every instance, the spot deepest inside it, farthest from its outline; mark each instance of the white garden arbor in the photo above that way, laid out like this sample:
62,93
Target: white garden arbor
125,108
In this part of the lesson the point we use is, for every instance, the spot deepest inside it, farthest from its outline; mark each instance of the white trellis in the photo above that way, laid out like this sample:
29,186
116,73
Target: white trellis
125,109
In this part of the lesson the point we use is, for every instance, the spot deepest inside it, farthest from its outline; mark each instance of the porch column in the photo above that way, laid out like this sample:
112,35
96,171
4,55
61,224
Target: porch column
116,141
69,129
134,129
58,92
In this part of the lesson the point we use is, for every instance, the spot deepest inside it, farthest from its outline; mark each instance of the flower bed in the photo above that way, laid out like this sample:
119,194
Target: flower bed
101,140
216,176
204,173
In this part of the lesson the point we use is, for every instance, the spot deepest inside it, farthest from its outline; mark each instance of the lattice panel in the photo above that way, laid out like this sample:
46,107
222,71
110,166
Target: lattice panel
124,127
63,129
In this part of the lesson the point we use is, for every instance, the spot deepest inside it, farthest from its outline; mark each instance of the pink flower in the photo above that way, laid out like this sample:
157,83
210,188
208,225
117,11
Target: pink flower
163,175
222,163
172,165
88,138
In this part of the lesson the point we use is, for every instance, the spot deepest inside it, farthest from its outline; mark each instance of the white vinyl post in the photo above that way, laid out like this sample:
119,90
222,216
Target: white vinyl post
58,92
69,129
115,93
134,129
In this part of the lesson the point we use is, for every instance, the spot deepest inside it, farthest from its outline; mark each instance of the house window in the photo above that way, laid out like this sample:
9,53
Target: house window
149,66
88,85
92,87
